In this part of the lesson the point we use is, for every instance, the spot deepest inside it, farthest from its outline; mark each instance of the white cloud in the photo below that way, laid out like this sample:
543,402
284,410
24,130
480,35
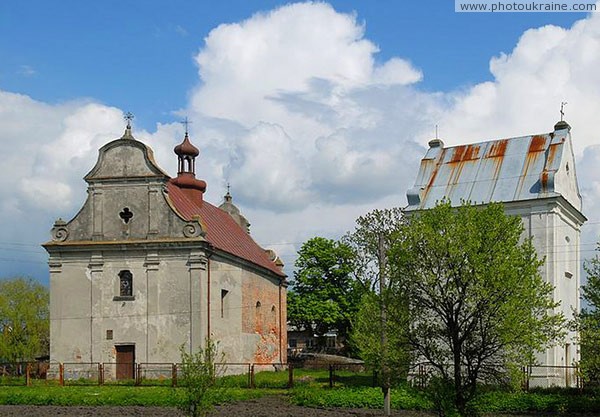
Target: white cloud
548,65
27,71
303,83
295,111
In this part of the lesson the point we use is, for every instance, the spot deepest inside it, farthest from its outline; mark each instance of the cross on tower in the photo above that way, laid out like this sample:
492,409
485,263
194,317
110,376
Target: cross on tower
562,110
129,117
186,123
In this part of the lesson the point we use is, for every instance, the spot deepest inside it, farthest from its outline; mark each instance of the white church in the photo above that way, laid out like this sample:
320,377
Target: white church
148,266
534,177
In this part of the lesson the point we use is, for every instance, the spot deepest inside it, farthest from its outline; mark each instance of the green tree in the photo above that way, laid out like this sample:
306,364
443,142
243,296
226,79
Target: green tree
588,322
198,375
376,332
476,299
382,342
324,295
24,320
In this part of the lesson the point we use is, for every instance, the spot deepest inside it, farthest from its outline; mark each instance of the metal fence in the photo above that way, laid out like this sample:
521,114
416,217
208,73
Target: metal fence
253,375
22,373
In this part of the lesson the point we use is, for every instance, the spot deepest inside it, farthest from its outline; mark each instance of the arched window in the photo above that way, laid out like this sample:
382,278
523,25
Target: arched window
125,284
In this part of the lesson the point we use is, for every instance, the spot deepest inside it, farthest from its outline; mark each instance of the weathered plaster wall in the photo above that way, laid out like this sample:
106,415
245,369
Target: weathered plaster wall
556,238
164,314
261,320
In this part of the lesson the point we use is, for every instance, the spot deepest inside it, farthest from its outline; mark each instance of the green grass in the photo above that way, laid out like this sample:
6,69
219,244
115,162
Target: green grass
366,397
552,400
311,389
114,395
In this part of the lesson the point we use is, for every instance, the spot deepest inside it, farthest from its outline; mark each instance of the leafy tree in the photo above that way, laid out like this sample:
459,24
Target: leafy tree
24,320
377,333
588,322
371,240
199,372
382,343
476,300
324,295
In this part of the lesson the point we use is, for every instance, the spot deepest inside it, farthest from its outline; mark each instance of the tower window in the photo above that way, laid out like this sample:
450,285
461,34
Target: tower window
125,284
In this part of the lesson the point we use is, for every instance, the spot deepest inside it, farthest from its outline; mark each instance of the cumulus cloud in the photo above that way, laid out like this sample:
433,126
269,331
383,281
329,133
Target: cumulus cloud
303,81
548,65
311,130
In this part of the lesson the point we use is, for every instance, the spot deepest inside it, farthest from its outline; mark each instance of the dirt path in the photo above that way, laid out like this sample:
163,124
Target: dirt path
275,406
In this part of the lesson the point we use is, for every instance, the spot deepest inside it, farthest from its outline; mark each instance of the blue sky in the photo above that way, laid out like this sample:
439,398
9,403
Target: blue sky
314,112
137,55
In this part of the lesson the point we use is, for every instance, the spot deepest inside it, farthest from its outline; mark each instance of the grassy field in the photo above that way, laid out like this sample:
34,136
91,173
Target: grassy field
311,389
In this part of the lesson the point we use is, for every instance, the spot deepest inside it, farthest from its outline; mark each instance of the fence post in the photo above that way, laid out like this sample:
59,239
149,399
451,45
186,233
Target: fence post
252,376
330,376
100,373
28,374
174,375
290,375
138,374
61,374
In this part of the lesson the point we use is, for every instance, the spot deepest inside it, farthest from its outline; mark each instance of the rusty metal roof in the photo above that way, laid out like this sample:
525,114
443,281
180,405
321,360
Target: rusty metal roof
505,170
221,229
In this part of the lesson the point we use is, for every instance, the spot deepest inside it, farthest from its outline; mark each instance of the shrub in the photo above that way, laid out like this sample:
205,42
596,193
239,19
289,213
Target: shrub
198,376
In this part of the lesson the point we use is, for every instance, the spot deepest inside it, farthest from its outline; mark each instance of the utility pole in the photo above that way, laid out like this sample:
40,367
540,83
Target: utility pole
385,372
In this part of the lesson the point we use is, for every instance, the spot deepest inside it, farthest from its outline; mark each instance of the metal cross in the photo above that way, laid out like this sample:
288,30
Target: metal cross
228,187
186,123
436,131
562,110
129,117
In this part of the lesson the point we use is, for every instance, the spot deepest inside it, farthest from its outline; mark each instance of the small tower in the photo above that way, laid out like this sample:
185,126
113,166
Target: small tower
186,170
230,208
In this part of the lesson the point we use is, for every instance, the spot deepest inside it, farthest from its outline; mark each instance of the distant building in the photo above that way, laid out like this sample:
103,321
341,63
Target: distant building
534,176
147,266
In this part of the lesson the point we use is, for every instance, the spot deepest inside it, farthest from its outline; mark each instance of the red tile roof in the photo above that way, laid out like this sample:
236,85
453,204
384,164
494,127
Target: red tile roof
221,230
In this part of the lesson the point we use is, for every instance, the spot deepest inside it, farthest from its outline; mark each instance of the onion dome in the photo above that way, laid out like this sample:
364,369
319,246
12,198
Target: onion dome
186,170
186,148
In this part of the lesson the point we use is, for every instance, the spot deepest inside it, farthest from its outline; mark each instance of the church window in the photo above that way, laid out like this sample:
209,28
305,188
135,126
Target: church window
224,304
126,215
257,315
125,284
567,257
109,335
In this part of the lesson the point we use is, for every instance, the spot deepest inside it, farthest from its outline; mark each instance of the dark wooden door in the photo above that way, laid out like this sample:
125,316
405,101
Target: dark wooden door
125,361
